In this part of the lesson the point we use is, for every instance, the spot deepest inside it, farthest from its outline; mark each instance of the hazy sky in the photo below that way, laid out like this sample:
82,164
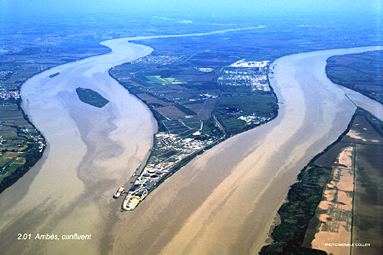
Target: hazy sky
190,6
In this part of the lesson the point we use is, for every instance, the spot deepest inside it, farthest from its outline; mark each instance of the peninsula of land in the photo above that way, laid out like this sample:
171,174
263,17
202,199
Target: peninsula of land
243,181
197,103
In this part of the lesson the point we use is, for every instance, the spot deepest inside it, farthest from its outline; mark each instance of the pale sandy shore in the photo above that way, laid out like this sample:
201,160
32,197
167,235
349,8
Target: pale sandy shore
223,202
337,206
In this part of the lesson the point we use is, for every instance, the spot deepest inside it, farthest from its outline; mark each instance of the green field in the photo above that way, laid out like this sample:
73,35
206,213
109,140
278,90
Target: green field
195,93
163,81
259,103
17,140
19,162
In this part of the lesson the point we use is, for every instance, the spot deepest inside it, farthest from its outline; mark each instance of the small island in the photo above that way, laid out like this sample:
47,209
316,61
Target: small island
91,97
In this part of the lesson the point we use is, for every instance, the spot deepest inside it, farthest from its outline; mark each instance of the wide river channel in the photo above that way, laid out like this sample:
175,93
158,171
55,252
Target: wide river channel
223,202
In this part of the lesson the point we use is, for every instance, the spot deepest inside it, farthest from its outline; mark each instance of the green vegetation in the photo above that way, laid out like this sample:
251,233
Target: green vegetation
360,72
303,199
91,97
210,128
31,156
232,105
21,145
176,88
185,110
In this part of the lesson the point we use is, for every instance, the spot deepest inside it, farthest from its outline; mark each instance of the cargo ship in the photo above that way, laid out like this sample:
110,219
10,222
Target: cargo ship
118,192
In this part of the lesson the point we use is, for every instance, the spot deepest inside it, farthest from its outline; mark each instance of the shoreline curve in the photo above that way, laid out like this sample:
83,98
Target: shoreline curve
72,191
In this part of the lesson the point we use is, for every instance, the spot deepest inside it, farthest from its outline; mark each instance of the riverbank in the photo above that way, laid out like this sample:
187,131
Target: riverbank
313,113
85,157
251,171
90,150
243,181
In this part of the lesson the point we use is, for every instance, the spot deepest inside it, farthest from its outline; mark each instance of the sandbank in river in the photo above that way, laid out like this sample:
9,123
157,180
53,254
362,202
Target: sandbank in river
223,202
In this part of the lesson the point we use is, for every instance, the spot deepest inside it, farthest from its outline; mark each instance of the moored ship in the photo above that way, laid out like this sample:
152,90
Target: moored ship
118,192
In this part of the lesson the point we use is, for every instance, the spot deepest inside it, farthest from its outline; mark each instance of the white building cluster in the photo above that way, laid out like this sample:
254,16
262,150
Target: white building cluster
9,94
254,119
246,73
251,64
161,60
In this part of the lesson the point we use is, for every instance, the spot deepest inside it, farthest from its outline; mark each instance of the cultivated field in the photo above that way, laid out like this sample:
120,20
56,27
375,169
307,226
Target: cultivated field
351,209
358,72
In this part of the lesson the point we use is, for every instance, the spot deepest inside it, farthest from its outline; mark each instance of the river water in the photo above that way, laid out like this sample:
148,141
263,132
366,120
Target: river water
223,202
